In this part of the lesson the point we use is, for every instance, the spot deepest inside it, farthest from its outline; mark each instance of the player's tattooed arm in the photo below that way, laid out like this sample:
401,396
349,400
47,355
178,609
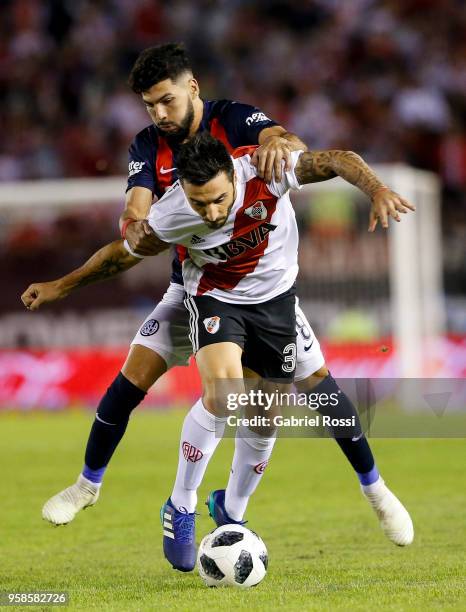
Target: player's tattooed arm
105,263
109,261
316,166
276,145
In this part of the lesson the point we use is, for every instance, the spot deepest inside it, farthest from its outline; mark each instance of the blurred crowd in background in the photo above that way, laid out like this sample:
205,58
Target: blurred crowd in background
386,78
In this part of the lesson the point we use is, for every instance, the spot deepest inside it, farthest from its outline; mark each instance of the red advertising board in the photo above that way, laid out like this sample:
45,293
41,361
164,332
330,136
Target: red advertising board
56,379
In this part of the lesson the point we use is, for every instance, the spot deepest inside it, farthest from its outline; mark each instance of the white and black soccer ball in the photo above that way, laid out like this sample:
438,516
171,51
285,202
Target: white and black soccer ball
232,555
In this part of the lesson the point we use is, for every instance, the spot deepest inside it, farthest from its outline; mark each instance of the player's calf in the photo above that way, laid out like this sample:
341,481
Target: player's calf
393,516
111,420
250,460
350,438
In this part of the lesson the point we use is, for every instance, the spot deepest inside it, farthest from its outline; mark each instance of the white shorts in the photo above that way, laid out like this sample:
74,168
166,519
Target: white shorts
166,332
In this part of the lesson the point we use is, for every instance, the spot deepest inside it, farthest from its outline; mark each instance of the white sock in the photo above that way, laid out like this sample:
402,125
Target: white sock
201,433
252,453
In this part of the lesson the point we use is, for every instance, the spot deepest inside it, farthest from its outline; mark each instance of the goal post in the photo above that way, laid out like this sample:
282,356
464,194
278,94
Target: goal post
417,303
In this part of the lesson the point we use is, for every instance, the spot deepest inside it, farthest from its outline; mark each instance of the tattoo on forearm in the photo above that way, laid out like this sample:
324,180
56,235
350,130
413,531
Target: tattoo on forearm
314,166
354,169
110,266
318,166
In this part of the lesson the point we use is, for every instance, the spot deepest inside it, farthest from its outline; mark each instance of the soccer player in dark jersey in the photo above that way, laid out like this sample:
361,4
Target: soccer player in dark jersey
239,281
163,78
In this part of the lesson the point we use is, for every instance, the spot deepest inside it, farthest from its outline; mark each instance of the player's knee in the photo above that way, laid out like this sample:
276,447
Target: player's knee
219,393
219,386
215,403
340,415
321,372
312,380
143,367
142,380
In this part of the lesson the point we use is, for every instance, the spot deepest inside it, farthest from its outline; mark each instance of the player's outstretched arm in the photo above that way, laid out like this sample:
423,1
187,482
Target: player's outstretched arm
316,166
105,263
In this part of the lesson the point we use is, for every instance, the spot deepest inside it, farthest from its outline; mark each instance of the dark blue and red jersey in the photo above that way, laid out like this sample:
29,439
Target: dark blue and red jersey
152,160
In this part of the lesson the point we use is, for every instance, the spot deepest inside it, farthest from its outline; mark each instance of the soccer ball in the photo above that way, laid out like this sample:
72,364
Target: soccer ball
232,555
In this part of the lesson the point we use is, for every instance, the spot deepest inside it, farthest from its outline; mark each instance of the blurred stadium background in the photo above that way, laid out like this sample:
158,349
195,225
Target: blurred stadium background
381,77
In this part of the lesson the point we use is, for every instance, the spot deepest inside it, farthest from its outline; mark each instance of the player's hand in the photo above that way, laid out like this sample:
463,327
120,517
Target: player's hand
43,293
268,158
143,240
386,203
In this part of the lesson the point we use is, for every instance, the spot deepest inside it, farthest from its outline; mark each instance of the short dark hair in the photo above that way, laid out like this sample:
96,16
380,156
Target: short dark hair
201,158
156,64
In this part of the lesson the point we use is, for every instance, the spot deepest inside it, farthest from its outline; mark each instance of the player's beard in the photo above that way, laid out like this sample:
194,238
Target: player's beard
217,224
181,134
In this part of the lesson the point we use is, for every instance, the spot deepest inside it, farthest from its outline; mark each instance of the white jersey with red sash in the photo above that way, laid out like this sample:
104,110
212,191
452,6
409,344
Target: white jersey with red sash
250,259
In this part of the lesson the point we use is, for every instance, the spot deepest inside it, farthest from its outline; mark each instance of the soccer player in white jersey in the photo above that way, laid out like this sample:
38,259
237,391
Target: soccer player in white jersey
241,238
163,78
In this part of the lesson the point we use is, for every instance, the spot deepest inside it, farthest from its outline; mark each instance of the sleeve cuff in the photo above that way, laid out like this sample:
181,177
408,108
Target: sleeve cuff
290,175
130,251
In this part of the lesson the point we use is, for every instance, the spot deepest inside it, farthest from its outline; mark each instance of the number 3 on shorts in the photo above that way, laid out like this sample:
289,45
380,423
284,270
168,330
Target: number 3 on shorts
289,354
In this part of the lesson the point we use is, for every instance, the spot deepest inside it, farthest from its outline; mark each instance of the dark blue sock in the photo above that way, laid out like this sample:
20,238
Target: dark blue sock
351,440
110,425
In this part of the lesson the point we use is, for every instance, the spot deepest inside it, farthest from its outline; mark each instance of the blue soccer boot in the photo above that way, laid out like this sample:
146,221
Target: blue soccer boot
179,537
216,504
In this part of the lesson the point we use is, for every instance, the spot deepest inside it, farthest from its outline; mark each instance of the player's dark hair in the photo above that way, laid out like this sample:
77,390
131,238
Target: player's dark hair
156,64
201,158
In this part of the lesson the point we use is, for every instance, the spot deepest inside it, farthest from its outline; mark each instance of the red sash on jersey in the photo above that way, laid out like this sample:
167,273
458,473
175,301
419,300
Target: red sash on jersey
165,165
226,275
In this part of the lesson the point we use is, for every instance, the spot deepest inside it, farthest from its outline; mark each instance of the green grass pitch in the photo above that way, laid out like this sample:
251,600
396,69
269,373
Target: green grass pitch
326,549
